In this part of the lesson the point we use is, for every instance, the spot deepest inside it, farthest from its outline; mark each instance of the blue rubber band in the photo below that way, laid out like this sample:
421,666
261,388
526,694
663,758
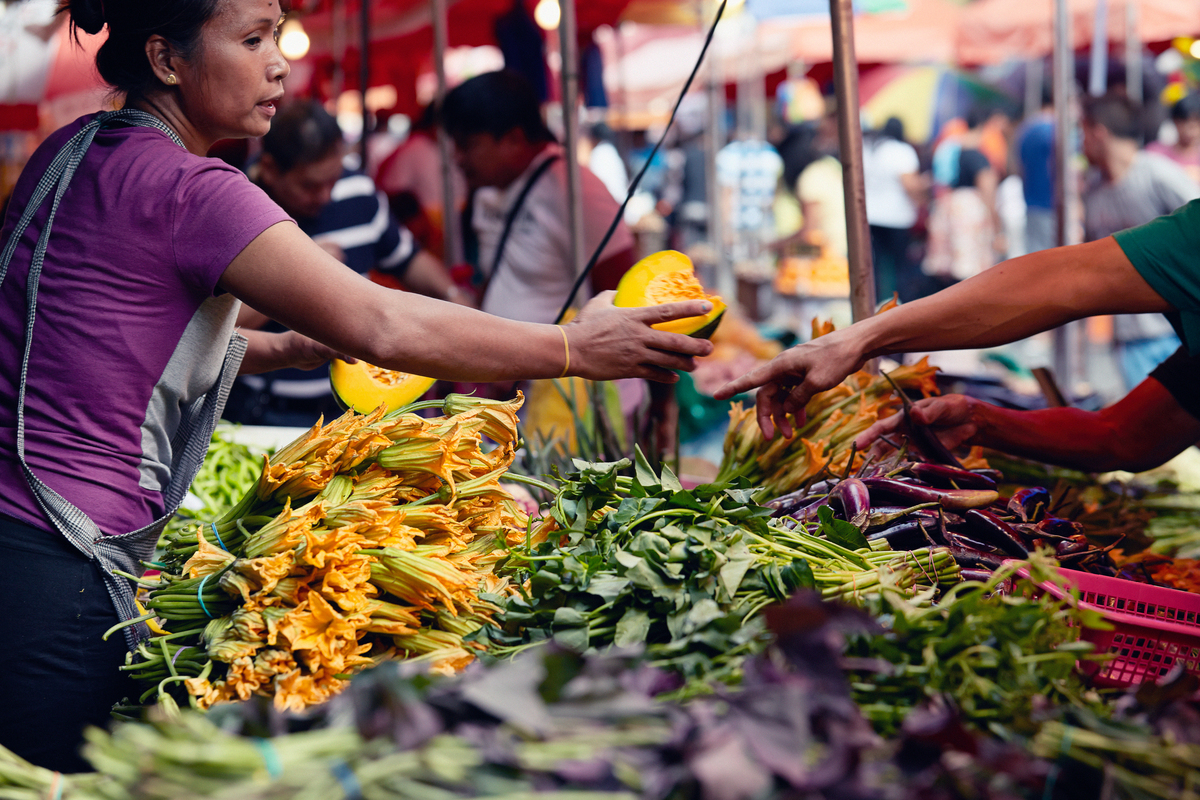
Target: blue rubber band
217,533
351,788
200,595
56,783
270,757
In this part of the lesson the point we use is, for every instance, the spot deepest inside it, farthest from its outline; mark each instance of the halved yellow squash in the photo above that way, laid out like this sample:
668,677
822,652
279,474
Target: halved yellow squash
667,277
364,387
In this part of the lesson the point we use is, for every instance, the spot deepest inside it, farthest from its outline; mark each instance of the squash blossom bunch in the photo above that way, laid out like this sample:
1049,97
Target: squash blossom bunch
833,419
371,538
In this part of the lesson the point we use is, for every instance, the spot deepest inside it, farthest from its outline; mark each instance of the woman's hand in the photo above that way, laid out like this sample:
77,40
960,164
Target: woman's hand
790,379
607,342
951,418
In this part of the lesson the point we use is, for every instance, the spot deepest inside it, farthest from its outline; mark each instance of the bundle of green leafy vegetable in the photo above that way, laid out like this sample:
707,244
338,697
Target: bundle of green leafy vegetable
640,561
993,654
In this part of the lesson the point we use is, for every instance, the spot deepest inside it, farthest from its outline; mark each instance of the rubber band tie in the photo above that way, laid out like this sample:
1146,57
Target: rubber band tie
179,652
270,757
349,781
56,787
217,533
200,595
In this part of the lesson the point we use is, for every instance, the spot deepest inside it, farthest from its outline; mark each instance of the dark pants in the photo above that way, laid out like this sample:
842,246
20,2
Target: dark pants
57,675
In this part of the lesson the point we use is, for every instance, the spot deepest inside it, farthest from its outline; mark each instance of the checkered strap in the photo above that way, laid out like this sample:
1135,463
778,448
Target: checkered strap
123,552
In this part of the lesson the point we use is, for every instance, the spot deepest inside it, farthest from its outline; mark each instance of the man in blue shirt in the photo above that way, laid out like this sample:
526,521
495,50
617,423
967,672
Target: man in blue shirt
1035,147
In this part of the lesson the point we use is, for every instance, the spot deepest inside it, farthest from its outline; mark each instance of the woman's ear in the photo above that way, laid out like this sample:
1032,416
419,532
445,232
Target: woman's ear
161,57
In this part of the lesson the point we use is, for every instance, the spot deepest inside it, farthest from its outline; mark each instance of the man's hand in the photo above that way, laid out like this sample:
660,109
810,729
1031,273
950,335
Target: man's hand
790,379
951,418
607,342
270,351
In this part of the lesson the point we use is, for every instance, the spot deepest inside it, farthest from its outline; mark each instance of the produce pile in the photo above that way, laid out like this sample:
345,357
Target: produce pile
563,726
373,537
824,443
639,561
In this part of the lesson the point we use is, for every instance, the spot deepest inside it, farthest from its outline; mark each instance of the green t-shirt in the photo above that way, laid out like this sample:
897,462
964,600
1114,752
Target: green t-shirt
1166,252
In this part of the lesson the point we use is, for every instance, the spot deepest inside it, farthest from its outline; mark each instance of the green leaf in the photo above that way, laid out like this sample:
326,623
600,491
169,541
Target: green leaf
632,508
644,576
567,617
644,474
738,562
839,531
607,585
632,628
576,639
669,481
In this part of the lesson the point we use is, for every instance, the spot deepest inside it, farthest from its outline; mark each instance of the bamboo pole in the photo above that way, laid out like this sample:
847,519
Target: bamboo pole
452,244
858,234
569,77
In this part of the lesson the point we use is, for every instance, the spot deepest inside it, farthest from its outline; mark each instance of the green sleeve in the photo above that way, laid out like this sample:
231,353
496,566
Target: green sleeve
1166,252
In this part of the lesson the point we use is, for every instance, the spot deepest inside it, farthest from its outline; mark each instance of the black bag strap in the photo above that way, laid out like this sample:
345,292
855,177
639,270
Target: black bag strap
510,219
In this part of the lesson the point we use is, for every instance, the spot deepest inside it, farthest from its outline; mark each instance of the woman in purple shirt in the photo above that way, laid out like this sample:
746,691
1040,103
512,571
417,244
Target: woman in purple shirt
117,340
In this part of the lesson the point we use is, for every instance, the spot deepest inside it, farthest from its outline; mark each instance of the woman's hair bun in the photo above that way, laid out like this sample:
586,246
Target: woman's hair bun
87,15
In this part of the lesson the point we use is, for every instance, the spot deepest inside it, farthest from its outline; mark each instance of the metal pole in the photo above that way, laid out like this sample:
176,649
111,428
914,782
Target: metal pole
1133,53
1066,338
364,74
714,140
1098,63
452,245
858,234
339,48
568,46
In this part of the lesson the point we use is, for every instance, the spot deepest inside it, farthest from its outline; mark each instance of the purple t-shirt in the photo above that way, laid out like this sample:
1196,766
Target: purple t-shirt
131,327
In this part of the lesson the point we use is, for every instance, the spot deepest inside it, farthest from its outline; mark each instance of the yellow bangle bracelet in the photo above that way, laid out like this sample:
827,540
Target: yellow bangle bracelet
567,350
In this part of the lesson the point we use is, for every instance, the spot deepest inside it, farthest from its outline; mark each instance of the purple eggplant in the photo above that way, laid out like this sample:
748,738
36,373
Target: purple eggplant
1059,528
950,477
1030,504
855,498
987,527
977,575
909,535
975,559
956,539
951,499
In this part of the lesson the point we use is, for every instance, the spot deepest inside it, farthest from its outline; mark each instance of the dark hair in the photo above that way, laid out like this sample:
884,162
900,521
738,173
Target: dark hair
893,129
1117,113
302,132
1188,107
495,103
122,61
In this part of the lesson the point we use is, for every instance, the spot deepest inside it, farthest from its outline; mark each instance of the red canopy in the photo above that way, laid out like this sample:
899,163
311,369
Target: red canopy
402,36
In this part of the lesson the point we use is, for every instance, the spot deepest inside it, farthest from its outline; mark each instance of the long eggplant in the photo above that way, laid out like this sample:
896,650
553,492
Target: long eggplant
986,526
855,498
949,477
1030,504
908,535
950,499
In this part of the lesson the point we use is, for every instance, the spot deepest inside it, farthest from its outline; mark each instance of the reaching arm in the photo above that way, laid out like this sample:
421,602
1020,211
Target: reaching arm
291,280
1010,301
428,276
1141,431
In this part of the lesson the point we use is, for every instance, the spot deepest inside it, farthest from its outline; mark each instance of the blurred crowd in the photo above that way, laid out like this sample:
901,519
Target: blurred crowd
981,191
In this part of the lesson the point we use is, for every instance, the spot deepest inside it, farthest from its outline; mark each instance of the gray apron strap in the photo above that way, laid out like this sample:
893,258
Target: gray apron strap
126,551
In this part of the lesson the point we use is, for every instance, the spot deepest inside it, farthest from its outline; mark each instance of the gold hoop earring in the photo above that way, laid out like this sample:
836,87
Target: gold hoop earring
172,80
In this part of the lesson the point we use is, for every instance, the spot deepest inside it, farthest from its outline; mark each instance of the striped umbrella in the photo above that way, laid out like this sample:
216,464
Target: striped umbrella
924,98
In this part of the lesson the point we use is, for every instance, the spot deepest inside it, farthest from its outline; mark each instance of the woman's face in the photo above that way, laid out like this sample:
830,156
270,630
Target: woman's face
230,89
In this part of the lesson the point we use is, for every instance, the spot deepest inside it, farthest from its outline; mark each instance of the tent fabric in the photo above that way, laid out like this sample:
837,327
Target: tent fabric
992,31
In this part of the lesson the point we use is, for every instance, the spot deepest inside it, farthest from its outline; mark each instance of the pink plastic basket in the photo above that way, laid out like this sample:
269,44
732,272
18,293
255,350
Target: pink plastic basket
1153,628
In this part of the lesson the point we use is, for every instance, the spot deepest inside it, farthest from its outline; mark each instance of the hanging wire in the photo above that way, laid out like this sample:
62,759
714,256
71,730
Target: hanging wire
587,270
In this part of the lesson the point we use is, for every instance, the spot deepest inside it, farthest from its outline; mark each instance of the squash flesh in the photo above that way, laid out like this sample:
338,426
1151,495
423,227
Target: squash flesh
364,387
668,277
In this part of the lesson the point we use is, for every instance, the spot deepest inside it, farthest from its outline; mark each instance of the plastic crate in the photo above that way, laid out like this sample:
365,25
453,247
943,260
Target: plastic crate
1154,628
